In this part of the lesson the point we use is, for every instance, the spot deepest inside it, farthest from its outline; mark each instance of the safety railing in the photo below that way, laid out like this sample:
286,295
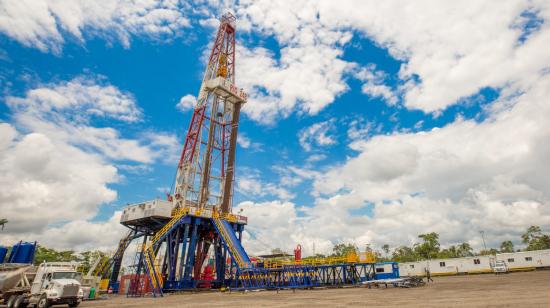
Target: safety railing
227,239
156,278
224,216
350,258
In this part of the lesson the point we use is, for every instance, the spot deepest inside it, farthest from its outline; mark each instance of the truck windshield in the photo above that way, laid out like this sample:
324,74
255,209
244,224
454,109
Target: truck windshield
66,275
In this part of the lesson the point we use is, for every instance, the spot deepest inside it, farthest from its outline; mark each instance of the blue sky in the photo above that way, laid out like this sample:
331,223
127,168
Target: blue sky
353,117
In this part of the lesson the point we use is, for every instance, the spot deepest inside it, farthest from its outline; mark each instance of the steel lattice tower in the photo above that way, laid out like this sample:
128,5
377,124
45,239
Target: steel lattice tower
206,168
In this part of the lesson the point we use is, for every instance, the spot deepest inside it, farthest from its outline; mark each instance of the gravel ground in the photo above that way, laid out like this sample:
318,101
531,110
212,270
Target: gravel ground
526,289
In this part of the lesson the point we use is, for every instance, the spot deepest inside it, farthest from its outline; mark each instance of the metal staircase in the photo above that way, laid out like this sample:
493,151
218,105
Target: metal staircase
232,243
116,259
149,250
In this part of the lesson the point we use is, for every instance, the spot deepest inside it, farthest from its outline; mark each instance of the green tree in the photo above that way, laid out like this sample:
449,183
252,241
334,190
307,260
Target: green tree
429,248
386,249
488,252
88,258
535,239
507,246
450,252
404,254
531,234
51,255
3,222
465,250
343,249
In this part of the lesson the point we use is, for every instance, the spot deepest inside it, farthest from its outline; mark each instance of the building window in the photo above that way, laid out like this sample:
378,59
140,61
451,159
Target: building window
441,264
412,265
379,269
510,260
528,259
476,261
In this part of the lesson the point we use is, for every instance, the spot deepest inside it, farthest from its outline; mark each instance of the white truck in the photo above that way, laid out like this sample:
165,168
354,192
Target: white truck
55,283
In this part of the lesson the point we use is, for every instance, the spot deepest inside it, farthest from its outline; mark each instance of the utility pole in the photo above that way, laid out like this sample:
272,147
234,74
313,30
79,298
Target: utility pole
483,238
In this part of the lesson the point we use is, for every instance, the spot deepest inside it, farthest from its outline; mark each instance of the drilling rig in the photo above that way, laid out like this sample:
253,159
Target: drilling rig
196,220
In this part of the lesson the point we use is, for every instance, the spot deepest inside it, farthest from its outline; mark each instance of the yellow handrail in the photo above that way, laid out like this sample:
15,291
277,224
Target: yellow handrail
350,258
224,234
177,214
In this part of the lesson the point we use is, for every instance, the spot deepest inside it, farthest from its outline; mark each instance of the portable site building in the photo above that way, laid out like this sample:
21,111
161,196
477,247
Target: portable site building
525,260
452,266
515,261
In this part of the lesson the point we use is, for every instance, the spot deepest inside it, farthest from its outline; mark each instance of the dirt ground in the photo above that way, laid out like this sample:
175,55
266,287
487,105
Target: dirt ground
526,289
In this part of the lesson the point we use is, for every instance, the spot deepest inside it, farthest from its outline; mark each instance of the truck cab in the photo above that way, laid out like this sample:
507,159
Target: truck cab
56,283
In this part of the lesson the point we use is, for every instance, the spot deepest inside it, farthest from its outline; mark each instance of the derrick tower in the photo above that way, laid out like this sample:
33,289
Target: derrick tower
196,221
205,171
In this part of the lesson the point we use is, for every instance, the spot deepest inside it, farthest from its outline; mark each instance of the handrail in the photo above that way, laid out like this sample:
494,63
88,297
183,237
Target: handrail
226,236
156,278
350,258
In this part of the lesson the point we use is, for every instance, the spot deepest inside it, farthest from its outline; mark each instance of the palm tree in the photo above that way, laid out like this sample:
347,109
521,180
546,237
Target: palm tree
465,250
3,222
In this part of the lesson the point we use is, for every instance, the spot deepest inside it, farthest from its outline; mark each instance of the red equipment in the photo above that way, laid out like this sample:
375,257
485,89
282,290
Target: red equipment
298,253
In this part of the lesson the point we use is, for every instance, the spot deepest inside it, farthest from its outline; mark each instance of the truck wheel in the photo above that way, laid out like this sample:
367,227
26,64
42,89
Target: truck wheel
75,304
20,302
43,302
11,301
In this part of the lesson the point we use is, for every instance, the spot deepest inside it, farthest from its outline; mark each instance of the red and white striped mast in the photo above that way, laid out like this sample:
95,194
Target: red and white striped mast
206,168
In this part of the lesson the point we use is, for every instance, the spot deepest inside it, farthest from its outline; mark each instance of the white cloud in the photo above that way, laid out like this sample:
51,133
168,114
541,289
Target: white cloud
165,146
455,180
243,141
250,184
84,97
358,129
316,158
82,235
374,84
56,180
304,79
317,135
63,111
187,102
42,23
56,167
454,48
450,51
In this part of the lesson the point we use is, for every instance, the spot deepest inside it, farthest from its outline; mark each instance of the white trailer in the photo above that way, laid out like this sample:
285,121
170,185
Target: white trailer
411,269
452,266
474,265
514,261
525,260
